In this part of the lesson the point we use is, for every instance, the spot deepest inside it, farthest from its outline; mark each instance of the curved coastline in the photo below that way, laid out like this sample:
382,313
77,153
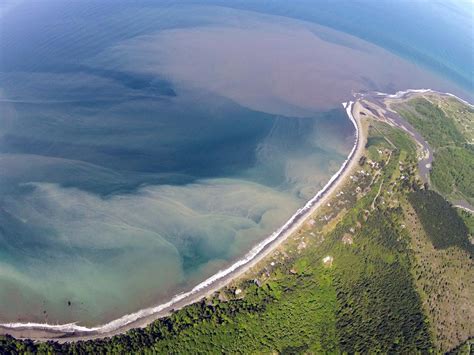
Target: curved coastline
73,331
404,93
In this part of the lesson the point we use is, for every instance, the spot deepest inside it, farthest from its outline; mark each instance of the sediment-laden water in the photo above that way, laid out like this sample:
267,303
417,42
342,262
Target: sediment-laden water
145,147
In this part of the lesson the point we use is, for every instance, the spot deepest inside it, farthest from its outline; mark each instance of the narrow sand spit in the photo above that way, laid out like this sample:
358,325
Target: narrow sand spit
73,332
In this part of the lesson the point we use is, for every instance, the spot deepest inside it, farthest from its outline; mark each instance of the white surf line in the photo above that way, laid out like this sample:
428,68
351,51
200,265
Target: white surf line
299,215
400,94
459,99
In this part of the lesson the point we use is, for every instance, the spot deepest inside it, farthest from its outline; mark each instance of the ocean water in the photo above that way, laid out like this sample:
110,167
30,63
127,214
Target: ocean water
145,146
437,34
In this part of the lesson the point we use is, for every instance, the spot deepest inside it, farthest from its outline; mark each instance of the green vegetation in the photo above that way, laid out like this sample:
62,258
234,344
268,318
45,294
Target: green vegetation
380,309
381,134
440,220
465,348
468,219
440,241
448,126
453,170
431,122
443,278
461,114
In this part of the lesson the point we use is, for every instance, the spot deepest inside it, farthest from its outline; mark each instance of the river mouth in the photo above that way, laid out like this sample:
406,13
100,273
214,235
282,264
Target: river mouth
130,173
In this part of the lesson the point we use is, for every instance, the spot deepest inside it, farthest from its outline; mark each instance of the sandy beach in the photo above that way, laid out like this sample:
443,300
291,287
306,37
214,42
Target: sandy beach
73,332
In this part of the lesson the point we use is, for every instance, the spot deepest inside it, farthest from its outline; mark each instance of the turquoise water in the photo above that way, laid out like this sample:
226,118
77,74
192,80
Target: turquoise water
144,147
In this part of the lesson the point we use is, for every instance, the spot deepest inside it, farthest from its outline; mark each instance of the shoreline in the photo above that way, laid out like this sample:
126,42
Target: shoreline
73,332
404,95
141,318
